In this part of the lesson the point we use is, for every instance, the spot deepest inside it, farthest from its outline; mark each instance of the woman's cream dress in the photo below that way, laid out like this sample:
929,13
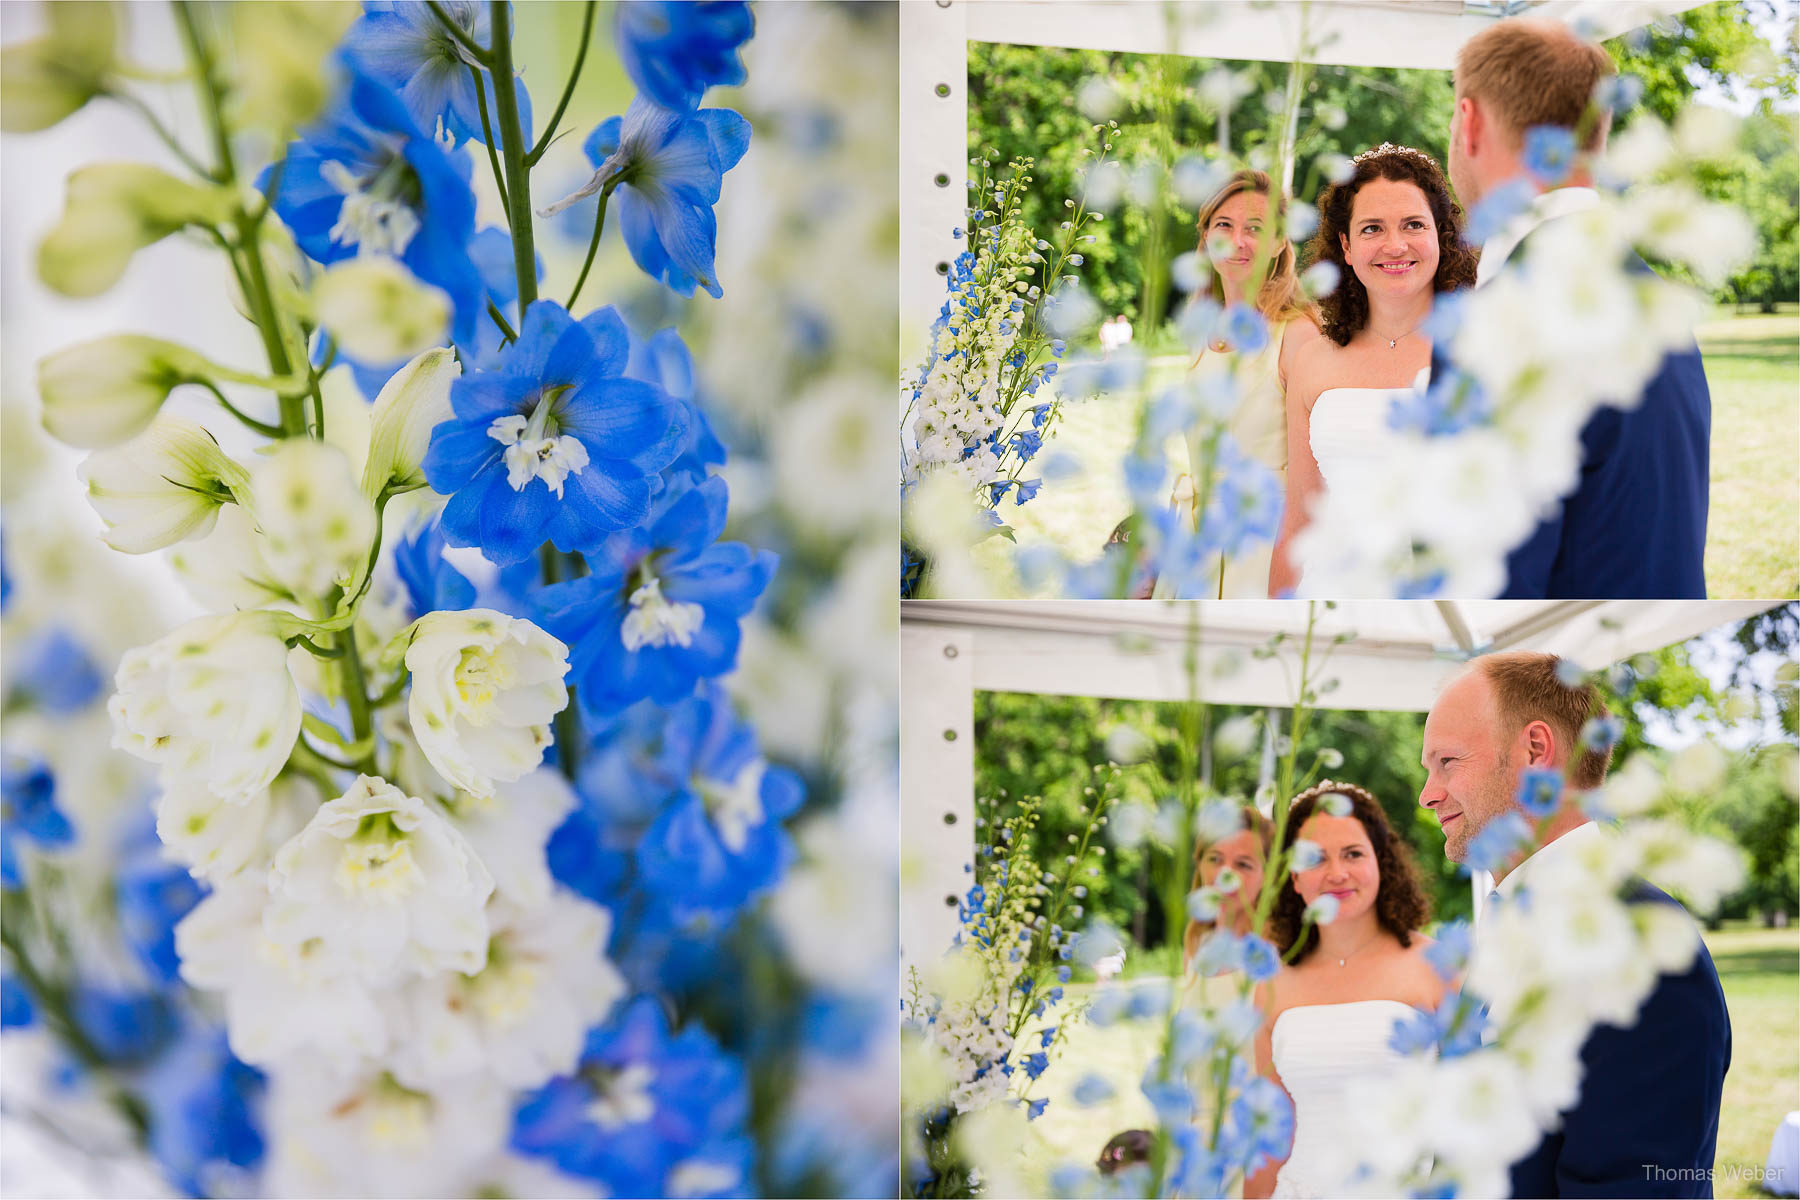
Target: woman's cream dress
1259,424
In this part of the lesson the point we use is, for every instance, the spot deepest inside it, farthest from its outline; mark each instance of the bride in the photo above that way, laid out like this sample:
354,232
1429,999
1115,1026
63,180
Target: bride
1331,1013
1395,235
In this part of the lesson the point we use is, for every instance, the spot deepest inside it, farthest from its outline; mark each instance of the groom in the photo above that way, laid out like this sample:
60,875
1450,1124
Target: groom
1647,1119
1635,526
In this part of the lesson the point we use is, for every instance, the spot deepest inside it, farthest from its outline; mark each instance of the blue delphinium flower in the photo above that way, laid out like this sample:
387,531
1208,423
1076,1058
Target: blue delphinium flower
675,49
432,584
1264,1117
365,179
1449,954
53,672
669,168
663,361
1497,841
660,607
718,840
642,1106
200,1099
1549,153
1454,401
1245,328
555,444
1246,504
152,895
406,47
1261,959
123,1027
16,1007
1540,790
28,810
1198,1171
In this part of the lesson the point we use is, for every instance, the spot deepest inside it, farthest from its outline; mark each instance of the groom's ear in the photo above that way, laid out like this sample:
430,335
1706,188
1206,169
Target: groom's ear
1471,123
1540,744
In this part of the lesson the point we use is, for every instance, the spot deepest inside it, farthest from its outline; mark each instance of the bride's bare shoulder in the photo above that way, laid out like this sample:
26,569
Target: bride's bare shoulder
1308,359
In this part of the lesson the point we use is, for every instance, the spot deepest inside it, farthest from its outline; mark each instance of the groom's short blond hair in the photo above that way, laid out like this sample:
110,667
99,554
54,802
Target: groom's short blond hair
1527,687
1534,72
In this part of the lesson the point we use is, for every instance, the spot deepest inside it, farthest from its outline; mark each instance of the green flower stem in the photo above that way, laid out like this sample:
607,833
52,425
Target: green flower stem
487,135
593,242
259,297
543,144
262,427
53,1000
356,691
161,131
501,323
512,142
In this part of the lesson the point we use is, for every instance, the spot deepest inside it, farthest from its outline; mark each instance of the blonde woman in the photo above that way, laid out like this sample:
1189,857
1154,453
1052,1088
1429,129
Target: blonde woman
1252,263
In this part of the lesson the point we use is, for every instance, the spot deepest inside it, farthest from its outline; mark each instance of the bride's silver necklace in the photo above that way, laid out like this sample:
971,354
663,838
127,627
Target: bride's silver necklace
1359,949
1394,341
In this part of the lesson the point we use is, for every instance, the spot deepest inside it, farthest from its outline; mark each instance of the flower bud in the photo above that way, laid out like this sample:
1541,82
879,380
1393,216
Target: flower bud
162,487
100,393
279,45
112,211
316,523
378,311
48,78
410,406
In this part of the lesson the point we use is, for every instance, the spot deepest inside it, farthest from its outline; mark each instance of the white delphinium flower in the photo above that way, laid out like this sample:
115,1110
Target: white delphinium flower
282,1000
523,1017
410,405
379,311
1698,769
1547,1051
212,703
485,687
370,1135
316,522
164,486
384,883
1481,1111
212,838
1703,871
225,571
830,910
510,829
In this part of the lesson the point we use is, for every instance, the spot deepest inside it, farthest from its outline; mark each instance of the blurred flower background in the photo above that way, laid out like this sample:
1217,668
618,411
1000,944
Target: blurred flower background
700,930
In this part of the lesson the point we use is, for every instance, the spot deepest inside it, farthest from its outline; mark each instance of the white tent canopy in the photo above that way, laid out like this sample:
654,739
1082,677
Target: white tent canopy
1366,33
1398,655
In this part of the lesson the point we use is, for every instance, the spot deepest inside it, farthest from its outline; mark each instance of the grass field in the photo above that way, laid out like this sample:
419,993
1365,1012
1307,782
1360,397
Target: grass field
1759,970
1753,533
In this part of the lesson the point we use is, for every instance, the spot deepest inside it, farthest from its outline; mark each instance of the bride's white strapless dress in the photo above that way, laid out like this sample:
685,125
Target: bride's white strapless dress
1349,434
1326,1054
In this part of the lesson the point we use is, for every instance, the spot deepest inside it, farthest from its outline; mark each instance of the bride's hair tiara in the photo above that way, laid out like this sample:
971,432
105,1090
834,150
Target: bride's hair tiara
1390,148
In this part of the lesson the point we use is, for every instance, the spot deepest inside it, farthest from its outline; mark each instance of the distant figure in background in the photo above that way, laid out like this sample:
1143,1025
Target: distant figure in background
1132,1146
1114,333
1252,264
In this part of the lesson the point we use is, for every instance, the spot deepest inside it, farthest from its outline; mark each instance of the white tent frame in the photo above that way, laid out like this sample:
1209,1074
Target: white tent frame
1137,649
934,37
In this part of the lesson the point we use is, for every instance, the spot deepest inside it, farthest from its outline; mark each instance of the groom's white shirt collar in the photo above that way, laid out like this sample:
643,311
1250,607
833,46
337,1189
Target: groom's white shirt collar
1546,206
1570,843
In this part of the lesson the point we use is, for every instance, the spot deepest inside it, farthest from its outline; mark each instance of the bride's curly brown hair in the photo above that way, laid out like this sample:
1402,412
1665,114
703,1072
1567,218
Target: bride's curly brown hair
1401,906
1346,310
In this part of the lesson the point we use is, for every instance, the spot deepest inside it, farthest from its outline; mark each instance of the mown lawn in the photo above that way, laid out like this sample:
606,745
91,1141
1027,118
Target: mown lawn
1759,970
1753,532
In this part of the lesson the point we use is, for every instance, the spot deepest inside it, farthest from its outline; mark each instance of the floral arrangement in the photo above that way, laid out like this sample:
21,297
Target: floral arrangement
448,832
984,1029
992,349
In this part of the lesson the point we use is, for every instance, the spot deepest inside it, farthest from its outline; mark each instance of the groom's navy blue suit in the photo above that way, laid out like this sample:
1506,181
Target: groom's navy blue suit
1635,526
1647,1120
